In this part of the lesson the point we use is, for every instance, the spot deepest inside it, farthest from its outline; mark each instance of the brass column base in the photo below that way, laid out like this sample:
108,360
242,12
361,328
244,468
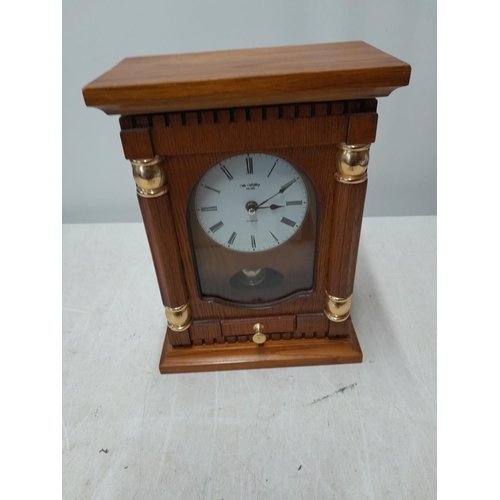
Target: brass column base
178,318
337,309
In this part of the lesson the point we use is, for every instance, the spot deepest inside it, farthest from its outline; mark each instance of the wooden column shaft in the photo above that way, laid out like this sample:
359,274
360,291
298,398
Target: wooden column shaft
346,229
160,230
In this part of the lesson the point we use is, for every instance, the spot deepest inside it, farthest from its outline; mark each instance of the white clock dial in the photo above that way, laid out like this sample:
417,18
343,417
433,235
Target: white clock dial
251,202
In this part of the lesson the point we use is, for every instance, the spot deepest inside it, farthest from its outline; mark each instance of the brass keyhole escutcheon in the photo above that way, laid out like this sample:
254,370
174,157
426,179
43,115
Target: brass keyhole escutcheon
259,337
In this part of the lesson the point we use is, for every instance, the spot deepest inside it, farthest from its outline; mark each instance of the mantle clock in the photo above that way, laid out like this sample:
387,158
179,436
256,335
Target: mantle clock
251,175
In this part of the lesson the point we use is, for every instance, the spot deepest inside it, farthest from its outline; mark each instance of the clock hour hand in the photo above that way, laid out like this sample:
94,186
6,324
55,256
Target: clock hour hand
273,206
282,190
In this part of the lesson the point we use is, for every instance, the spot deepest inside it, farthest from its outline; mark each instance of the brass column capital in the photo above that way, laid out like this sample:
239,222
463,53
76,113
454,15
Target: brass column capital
178,318
337,309
352,163
149,177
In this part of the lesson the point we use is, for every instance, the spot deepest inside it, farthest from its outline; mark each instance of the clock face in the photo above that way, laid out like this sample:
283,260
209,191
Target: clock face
251,202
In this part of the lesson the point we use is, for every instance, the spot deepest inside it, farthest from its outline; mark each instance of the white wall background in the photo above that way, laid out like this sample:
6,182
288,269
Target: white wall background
97,34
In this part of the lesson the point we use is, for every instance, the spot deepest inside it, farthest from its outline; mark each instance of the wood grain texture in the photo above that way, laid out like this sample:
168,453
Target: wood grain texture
239,136
136,144
362,128
178,338
244,326
314,323
342,329
202,330
248,77
271,354
160,230
346,230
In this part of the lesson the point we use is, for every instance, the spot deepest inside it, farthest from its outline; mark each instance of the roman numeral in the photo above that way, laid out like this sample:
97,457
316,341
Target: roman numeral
270,172
288,203
211,189
277,241
252,239
217,226
226,171
209,209
288,222
230,241
249,165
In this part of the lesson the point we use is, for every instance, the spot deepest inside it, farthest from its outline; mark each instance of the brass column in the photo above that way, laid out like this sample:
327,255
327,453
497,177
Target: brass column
351,164
152,191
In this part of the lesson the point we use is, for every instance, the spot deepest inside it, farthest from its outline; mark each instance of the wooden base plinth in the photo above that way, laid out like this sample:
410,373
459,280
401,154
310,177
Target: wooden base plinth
272,354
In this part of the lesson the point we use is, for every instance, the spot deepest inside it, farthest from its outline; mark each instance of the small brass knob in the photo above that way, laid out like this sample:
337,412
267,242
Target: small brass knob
259,337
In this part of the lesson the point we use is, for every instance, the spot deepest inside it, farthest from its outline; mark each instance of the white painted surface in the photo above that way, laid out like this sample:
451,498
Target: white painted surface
365,431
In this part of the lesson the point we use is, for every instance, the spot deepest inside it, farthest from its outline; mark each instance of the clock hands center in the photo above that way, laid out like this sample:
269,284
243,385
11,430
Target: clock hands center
251,207
281,191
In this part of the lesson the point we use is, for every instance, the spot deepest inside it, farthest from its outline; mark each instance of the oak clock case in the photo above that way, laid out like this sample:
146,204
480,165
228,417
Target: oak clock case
251,175
252,224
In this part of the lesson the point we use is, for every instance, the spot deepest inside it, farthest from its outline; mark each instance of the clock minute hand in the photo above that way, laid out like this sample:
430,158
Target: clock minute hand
282,190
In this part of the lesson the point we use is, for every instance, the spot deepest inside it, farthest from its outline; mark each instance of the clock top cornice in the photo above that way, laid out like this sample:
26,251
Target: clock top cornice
247,77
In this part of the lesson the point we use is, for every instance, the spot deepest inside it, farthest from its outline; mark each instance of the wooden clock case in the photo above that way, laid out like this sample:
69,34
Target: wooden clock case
312,105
